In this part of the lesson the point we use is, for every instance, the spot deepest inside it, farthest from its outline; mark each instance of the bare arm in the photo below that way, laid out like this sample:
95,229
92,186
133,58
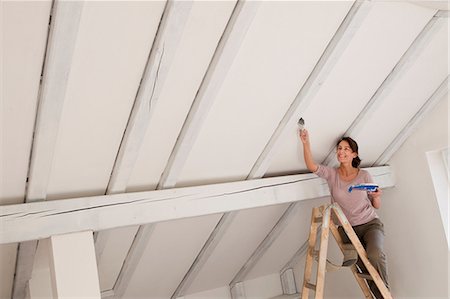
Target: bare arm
375,197
304,137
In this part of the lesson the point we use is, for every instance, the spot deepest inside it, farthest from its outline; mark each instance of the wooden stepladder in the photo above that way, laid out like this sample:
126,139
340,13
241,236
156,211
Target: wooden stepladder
322,217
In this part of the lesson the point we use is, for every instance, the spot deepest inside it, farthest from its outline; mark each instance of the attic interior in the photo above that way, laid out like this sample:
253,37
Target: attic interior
150,148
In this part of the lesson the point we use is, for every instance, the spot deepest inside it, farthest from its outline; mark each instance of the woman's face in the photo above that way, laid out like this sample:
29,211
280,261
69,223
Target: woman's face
344,152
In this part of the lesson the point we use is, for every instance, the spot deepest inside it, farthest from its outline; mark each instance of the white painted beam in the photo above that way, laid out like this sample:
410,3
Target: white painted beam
415,121
73,266
61,44
398,72
442,14
165,45
327,61
288,282
30,221
166,42
221,63
238,291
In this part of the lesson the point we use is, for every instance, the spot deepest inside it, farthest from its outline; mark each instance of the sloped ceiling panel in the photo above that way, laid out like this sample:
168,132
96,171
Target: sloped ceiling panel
170,252
248,229
114,40
426,72
288,242
384,36
24,31
269,69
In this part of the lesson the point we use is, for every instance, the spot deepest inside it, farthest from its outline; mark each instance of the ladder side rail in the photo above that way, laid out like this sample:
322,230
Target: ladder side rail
321,267
361,251
311,248
361,282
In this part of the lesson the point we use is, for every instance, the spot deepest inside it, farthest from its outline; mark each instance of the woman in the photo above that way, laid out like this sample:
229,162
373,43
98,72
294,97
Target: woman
359,207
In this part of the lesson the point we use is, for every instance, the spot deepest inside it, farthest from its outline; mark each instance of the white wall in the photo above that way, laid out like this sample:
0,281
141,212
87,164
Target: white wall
415,239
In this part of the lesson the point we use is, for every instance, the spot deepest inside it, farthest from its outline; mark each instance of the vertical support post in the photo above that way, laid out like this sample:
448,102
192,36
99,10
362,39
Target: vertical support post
311,247
73,266
321,268
40,284
288,282
238,291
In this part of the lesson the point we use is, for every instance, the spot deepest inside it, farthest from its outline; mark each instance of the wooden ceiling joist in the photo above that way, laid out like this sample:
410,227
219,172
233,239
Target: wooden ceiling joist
56,70
399,70
48,218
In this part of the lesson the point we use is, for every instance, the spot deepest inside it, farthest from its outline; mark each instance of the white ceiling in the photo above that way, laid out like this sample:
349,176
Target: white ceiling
237,73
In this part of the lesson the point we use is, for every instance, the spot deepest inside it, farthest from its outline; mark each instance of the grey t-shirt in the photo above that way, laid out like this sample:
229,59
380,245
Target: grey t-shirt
356,205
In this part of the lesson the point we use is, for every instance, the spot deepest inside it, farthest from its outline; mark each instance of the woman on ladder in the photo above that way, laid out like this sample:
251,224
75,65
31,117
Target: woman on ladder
358,207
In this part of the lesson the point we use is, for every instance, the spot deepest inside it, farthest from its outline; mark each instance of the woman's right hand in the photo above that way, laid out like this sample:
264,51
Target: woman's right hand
304,136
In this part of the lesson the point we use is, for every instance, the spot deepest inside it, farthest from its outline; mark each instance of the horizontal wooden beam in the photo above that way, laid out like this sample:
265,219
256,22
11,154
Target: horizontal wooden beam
30,221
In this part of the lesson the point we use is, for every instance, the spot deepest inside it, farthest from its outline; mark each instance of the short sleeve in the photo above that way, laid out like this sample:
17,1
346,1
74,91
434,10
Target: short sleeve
324,171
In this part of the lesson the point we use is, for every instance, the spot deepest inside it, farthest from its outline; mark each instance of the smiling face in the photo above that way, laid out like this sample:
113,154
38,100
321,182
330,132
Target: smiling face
344,152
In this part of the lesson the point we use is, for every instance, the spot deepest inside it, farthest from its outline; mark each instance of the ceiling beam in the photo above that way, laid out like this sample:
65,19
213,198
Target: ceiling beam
415,121
56,71
162,54
331,55
168,36
397,73
38,220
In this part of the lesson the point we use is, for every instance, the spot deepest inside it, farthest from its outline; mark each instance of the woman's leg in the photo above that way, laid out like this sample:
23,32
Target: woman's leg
374,241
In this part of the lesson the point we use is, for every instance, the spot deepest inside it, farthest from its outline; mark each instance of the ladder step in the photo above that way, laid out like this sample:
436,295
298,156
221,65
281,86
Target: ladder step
365,276
310,286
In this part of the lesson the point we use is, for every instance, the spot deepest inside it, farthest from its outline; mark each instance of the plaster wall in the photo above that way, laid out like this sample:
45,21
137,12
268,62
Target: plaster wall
415,238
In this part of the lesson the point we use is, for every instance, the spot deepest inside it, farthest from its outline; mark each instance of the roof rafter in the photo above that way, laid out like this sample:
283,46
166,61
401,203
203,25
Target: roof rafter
60,48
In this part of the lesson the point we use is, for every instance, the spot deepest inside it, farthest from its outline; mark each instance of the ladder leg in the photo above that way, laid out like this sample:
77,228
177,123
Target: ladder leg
320,281
361,251
315,222
361,282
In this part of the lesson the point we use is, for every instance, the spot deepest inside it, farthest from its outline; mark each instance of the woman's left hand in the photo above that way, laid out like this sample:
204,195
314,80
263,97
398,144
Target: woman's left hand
376,194
376,198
